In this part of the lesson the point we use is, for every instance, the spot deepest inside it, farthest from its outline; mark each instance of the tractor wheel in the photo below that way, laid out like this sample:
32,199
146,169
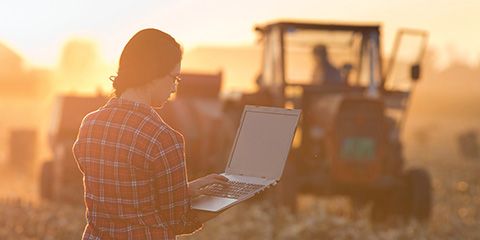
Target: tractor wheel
46,181
419,194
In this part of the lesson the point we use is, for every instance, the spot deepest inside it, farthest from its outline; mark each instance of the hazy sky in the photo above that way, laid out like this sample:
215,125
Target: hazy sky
38,29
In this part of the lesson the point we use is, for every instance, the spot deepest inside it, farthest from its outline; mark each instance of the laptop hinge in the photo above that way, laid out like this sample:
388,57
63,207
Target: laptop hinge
249,179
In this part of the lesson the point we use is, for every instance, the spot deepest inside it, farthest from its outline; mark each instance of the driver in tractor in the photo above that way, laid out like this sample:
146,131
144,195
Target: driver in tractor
325,73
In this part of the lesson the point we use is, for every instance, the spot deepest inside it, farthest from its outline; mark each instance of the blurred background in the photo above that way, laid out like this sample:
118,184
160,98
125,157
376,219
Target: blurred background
56,58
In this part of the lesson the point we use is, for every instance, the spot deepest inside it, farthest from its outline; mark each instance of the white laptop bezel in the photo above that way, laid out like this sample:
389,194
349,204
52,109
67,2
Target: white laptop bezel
297,112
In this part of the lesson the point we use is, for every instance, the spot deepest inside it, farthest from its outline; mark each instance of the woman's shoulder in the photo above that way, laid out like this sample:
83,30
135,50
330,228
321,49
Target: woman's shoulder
164,128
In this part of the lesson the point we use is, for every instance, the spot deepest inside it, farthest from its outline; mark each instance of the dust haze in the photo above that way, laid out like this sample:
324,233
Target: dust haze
445,104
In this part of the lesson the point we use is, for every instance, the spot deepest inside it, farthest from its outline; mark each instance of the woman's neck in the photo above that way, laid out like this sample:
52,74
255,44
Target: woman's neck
136,95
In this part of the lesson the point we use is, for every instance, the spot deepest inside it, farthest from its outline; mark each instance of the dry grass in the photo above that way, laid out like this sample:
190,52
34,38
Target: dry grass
21,220
456,215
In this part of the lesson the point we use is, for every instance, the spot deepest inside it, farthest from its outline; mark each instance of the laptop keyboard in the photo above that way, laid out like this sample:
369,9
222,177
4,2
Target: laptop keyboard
234,189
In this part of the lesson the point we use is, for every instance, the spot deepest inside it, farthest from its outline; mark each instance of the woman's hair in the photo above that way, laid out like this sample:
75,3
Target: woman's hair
148,55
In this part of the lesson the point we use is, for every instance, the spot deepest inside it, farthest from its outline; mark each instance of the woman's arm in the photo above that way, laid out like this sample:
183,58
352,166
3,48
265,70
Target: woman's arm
172,199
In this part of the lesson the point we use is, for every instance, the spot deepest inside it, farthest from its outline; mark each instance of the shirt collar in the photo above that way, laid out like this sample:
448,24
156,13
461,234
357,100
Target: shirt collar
129,105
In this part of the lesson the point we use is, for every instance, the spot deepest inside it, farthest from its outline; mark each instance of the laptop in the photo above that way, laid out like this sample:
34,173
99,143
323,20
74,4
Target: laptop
257,158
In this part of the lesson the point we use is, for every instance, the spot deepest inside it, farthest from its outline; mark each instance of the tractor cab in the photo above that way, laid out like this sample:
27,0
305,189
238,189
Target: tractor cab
320,56
335,58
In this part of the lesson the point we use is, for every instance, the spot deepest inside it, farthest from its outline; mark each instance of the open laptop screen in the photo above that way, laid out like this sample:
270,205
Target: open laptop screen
263,142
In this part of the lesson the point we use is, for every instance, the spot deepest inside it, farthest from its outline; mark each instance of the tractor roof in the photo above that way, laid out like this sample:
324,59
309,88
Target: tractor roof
368,27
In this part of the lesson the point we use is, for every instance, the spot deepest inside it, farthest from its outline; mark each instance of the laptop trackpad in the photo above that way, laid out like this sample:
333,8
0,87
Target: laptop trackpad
211,203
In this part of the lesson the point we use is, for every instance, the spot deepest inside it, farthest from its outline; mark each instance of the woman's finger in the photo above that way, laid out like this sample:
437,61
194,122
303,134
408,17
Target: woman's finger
221,182
219,177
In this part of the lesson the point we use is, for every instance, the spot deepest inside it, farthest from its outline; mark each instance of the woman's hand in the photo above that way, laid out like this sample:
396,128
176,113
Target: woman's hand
197,186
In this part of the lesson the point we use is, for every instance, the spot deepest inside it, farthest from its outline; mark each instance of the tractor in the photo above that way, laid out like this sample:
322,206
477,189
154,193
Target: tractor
354,106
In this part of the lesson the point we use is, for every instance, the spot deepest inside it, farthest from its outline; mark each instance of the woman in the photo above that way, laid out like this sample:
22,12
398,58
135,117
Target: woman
134,163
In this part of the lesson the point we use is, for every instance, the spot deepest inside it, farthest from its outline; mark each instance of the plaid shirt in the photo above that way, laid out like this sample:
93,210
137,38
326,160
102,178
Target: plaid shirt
134,172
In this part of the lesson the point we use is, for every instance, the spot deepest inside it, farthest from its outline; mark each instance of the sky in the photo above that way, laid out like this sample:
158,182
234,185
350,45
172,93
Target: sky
37,30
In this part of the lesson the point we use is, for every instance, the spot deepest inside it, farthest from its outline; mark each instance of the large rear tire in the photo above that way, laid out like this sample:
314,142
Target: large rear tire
419,194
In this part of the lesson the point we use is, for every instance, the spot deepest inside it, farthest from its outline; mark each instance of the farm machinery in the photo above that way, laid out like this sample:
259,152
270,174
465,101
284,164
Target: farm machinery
354,106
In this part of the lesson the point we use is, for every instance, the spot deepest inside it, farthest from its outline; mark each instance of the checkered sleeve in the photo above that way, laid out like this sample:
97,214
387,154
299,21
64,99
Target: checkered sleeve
170,179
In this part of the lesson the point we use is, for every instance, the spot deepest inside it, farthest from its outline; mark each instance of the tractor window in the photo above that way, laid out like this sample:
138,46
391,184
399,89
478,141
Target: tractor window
370,72
322,57
272,75
409,49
